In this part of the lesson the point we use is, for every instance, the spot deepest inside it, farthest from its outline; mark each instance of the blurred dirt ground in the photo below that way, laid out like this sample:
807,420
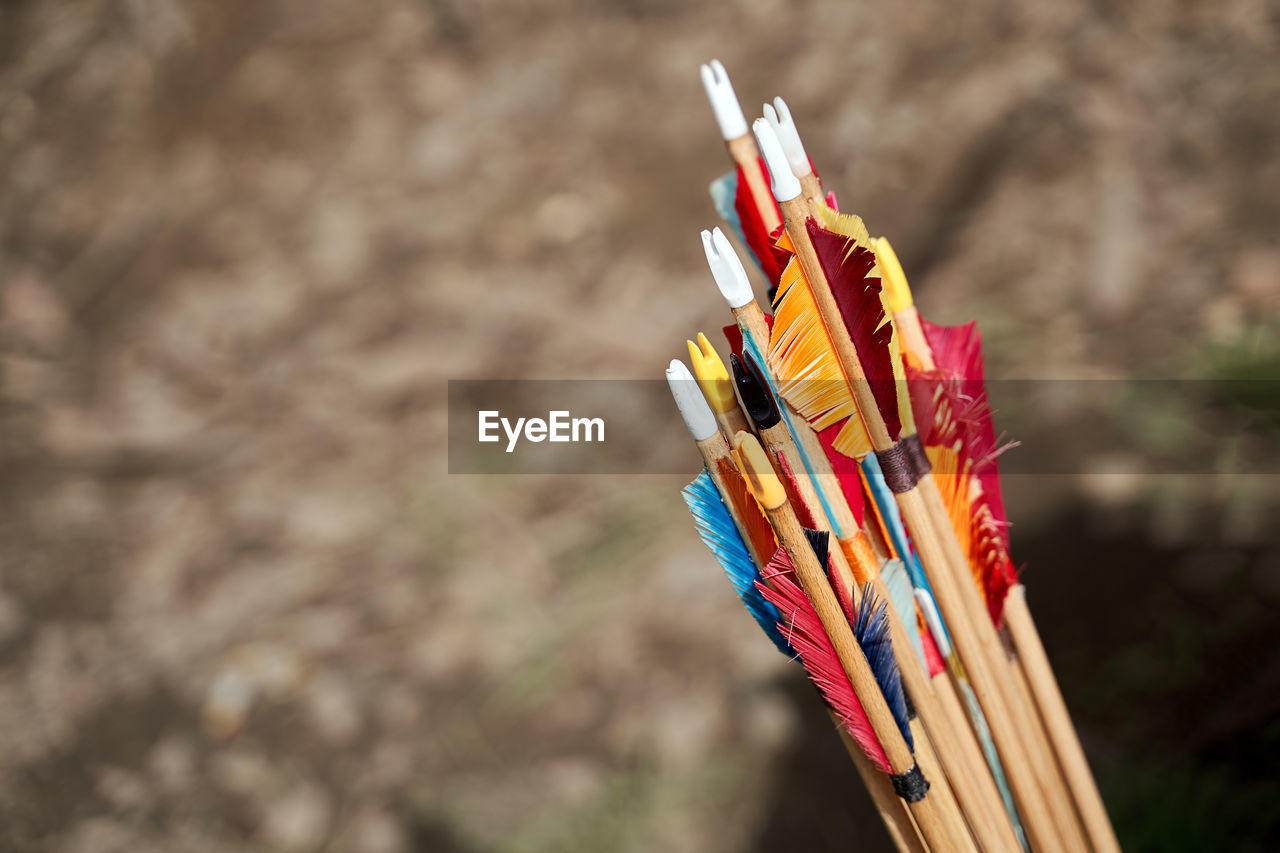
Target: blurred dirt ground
243,246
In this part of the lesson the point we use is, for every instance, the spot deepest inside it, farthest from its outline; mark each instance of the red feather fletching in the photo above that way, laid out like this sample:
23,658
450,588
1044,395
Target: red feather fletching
758,238
803,629
846,266
952,406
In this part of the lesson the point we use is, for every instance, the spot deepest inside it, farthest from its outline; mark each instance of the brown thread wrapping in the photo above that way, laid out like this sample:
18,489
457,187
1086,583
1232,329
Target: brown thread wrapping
919,459
896,465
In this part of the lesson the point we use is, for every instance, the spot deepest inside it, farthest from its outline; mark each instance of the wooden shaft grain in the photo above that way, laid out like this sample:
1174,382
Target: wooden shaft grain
811,192
732,422
985,821
937,831
893,811
1046,698
1053,709
915,513
941,789
751,320
813,580
981,801
744,152
713,450
1047,767
966,743
1096,821
934,825
1037,819
777,441
1021,717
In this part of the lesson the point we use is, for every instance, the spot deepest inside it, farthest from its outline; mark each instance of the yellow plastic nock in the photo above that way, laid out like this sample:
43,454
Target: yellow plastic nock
713,378
761,479
895,281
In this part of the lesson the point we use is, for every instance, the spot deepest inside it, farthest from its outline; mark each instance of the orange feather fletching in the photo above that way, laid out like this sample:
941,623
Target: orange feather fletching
760,535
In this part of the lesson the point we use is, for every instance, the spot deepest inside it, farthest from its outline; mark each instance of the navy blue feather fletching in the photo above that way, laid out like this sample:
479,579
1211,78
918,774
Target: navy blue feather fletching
871,627
720,534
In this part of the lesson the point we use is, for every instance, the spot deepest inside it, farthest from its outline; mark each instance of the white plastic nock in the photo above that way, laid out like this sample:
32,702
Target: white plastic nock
727,268
785,185
724,103
693,407
779,118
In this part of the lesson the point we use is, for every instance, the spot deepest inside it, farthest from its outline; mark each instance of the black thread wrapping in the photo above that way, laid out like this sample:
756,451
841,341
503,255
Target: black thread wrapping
919,459
911,786
911,706
898,469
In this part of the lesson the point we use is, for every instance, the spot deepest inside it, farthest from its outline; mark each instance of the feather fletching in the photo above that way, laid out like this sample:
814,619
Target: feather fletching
804,630
846,471
754,232
957,428
751,347
719,533
855,230
760,536
820,542
802,357
848,267
871,627
957,352
898,584
724,192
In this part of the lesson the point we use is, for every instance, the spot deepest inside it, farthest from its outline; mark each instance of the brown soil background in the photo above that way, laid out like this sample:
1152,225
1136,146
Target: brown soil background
243,247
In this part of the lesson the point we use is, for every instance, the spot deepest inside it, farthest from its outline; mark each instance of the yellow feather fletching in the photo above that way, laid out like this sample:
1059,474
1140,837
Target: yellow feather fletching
853,439
802,357
849,225
895,281
903,392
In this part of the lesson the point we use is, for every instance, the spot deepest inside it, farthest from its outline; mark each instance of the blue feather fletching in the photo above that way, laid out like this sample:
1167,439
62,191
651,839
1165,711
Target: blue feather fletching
895,578
720,534
723,191
871,627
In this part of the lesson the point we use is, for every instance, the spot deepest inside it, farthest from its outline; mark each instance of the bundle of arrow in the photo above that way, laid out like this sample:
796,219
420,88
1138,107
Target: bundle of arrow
852,496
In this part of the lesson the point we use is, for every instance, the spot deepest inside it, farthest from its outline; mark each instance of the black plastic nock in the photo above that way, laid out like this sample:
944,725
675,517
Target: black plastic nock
754,391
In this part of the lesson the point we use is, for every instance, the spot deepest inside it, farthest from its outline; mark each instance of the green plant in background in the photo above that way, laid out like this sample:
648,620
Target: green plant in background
1246,373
